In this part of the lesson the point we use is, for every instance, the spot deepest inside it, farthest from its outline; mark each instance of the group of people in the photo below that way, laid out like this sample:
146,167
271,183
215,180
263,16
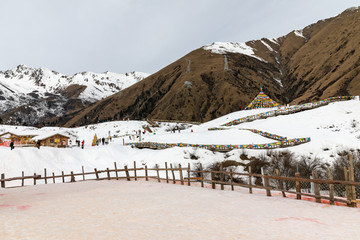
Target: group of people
82,143
103,141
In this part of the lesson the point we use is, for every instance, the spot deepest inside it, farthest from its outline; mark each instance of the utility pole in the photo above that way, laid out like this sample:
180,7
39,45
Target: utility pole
226,65
188,65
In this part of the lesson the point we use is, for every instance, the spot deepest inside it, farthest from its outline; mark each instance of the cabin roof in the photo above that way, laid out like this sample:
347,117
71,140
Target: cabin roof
48,135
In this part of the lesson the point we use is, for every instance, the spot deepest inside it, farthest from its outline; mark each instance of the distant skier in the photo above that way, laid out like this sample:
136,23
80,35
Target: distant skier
38,144
12,145
103,141
82,144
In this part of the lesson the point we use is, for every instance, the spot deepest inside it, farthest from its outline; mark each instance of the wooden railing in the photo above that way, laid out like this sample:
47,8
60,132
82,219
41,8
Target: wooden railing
186,175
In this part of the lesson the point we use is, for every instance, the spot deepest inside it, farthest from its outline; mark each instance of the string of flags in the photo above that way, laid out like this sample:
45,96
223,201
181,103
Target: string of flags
266,134
262,101
285,109
277,144
176,121
216,129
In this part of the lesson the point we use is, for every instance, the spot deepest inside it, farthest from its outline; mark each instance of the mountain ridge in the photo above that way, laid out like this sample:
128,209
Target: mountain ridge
309,64
47,93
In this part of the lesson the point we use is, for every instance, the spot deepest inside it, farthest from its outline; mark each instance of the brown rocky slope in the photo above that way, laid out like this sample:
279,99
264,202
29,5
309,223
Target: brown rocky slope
319,61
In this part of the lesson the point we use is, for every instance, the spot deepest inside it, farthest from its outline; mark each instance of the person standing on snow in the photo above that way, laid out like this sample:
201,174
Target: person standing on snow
12,145
82,144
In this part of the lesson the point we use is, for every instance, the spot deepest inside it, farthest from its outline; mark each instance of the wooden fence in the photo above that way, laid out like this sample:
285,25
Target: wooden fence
186,176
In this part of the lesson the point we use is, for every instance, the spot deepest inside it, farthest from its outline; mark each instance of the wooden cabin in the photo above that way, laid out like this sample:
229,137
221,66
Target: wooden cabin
55,139
23,138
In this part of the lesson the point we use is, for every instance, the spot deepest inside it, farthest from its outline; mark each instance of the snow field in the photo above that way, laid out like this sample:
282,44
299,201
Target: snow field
332,128
151,210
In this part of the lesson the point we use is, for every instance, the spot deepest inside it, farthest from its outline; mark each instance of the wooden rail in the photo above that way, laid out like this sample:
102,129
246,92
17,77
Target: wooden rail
187,175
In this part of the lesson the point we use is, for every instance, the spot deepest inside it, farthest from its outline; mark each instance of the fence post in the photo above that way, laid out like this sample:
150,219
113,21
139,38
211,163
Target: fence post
181,175
188,173
221,176
280,183
83,172
135,170
108,173
250,181
96,173
201,175
346,174
173,174
213,180
312,185
231,180
267,184
72,177
167,175
352,179
331,188
62,174
45,176
116,171
34,178
157,172
146,173
3,182
263,179
127,173
22,180
316,188
53,174
298,186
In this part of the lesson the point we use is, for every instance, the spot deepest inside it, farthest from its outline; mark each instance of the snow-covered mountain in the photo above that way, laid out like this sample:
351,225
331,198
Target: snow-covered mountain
28,95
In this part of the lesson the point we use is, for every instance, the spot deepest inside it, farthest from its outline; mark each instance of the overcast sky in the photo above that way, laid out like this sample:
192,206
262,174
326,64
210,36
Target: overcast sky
72,36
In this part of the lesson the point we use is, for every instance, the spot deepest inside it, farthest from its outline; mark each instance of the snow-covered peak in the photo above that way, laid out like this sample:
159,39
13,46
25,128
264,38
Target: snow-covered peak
44,92
100,85
232,47
25,80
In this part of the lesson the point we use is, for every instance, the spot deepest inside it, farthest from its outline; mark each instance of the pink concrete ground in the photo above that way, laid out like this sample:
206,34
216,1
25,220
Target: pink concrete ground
151,210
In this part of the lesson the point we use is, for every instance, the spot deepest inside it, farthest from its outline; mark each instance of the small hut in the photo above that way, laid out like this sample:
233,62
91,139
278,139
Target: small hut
262,101
54,139
19,137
